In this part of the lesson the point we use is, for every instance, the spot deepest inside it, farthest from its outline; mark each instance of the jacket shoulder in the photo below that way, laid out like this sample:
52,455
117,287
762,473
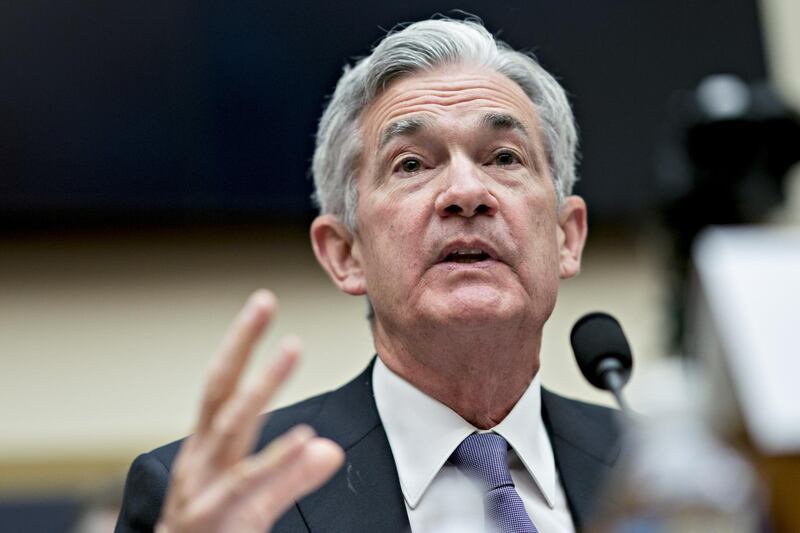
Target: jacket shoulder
593,428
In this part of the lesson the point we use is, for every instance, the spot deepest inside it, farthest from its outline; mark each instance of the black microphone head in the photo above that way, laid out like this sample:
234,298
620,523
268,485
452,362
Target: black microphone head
595,338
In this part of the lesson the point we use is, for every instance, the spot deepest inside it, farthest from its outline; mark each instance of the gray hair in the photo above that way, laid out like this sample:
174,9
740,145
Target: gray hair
422,46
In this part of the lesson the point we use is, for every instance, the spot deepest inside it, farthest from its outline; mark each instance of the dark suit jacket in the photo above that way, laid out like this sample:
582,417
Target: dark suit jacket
365,494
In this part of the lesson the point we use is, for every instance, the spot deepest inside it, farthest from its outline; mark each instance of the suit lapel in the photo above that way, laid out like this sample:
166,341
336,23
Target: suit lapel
585,440
365,494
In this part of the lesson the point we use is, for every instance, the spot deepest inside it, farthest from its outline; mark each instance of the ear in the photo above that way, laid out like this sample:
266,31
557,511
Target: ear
335,251
572,228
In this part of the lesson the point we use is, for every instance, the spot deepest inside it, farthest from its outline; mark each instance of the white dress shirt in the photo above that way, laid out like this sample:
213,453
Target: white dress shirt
423,433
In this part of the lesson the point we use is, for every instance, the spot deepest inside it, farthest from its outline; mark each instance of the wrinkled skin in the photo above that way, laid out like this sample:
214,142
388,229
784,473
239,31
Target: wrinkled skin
454,160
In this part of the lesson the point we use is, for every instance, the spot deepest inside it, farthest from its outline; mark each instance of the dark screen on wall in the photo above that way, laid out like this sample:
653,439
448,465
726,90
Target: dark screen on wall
196,110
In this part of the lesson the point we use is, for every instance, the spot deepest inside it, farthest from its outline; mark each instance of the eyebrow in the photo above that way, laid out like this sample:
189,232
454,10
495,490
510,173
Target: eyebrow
504,121
401,128
412,125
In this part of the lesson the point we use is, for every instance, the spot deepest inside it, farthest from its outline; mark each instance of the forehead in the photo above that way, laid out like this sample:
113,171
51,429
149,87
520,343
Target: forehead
448,93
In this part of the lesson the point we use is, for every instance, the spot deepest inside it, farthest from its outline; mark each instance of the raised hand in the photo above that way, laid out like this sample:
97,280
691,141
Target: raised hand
216,486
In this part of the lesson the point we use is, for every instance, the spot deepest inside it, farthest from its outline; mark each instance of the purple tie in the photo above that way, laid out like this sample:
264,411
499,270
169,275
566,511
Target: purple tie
483,456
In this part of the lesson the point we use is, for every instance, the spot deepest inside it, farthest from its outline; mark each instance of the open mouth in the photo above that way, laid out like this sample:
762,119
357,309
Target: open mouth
466,255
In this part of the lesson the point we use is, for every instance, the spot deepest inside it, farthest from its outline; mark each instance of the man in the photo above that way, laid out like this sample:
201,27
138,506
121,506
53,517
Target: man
443,170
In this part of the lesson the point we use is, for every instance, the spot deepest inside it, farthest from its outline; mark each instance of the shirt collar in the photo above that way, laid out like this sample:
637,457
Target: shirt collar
423,433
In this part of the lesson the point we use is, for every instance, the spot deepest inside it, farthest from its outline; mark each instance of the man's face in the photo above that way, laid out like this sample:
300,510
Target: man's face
457,216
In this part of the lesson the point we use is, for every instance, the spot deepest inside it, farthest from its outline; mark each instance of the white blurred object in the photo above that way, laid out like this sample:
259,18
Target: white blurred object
723,96
677,475
745,323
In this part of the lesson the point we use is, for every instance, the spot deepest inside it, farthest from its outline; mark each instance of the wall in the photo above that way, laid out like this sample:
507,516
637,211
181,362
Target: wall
105,338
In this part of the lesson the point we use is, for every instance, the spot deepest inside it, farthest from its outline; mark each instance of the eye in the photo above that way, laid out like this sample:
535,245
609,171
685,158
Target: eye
410,165
505,158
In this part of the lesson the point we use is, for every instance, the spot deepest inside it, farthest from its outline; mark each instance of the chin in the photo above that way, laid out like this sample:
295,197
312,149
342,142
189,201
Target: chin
474,310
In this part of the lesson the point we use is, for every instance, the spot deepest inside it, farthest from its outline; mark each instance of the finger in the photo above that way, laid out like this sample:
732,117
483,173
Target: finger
231,437
239,481
318,460
236,426
226,368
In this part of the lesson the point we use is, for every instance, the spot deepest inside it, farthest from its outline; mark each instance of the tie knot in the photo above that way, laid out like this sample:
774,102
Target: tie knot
484,456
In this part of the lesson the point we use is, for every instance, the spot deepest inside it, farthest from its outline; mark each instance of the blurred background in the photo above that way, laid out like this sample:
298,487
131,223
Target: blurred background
154,171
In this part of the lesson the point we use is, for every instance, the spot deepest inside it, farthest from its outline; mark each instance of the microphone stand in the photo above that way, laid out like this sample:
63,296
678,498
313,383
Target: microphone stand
611,371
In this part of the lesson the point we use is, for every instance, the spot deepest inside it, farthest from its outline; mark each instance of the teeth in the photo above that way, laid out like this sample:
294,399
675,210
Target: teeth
467,255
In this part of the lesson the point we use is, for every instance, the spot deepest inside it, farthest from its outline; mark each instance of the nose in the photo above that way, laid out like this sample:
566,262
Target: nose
465,193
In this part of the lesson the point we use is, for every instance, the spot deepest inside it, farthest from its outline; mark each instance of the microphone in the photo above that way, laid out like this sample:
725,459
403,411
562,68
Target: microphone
603,354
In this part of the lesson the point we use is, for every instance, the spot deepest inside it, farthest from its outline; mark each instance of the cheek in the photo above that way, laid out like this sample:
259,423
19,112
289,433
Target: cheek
399,223
392,249
539,246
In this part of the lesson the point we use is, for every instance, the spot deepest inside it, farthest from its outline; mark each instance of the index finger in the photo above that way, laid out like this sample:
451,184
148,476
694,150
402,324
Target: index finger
226,368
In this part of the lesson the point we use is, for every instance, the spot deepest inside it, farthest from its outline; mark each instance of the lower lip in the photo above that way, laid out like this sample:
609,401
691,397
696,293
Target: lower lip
477,265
